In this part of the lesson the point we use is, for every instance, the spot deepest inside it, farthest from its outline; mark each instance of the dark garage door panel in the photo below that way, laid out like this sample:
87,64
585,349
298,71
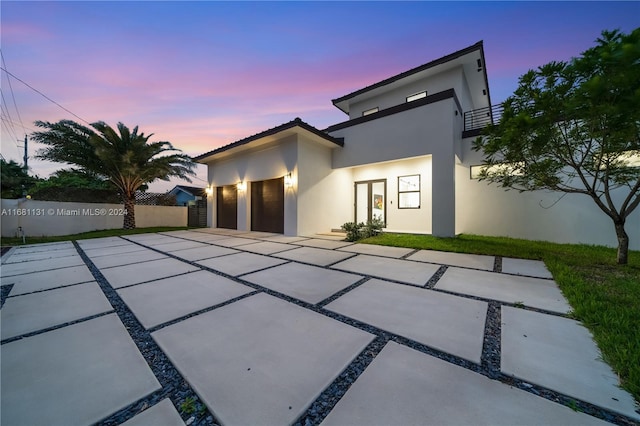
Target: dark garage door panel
267,206
227,207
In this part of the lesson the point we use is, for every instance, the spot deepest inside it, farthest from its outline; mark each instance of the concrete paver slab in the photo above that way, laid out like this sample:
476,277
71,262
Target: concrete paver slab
40,265
74,375
102,242
200,253
405,387
150,238
17,257
34,248
323,243
178,245
144,255
315,256
376,250
161,414
113,250
474,261
531,268
258,234
393,269
220,231
121,276
204,237
266,247
534,292
37,311
164,300
304,282
284,239
240,263
37,281
234,242
277,358
449,323
560,354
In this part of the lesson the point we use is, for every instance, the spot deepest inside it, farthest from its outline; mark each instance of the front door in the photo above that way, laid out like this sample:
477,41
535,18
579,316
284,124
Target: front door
371,200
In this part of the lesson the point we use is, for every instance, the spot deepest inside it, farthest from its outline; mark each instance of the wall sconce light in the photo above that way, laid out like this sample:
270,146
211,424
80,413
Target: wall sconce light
241,186
288,180
209,190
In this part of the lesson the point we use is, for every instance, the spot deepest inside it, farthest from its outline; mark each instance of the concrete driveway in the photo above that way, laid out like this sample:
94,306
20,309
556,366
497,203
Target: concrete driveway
223,327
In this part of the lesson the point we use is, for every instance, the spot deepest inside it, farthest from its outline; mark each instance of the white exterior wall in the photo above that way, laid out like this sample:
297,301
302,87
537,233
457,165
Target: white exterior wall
267,162
427,130
445,80
401,220
51,218
325,196
485,209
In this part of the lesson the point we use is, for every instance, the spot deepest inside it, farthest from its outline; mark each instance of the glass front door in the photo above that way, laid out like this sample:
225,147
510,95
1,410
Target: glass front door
371,200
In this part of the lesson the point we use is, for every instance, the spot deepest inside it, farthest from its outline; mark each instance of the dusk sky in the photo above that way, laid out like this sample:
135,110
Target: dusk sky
204,74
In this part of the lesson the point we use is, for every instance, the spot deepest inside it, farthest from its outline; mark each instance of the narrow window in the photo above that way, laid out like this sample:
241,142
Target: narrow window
417,96
409,192
370,111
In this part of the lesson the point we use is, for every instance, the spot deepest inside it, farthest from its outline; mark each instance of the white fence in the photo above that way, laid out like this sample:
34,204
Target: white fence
50,218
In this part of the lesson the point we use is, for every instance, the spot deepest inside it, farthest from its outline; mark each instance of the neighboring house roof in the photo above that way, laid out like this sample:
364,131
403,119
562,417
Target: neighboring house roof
343,102
191,190
283,130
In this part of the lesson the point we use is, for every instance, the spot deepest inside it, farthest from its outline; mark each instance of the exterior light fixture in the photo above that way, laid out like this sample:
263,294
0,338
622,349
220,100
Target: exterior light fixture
209,190
288,180
241,186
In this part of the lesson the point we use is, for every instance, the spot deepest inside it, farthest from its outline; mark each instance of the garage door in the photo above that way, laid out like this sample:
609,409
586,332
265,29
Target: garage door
267,206
227,207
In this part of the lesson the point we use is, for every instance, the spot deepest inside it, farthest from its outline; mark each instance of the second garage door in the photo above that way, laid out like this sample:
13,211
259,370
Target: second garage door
267,206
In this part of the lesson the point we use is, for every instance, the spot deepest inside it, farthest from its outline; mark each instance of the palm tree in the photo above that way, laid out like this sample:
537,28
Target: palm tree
124,157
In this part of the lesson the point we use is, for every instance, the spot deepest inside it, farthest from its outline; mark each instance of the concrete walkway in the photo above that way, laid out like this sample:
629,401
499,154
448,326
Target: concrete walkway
226,327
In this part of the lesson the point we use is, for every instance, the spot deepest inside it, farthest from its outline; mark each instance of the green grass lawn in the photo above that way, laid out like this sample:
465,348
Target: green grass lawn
604,296
86,235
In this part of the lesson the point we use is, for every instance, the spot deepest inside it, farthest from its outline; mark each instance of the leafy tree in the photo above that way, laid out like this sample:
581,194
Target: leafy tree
125,157
74,178
574,127
15,180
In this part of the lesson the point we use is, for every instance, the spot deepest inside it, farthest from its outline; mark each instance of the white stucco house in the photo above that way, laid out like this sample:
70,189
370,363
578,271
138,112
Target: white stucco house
403,154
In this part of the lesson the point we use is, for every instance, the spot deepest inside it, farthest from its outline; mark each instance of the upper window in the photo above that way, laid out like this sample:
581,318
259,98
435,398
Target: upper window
409,192
370,111
417,96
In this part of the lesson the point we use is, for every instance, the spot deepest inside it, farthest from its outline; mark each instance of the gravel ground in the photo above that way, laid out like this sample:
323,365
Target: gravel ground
194,412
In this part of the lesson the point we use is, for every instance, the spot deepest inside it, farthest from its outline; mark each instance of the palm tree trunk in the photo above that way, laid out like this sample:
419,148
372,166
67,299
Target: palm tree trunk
623,243
130,212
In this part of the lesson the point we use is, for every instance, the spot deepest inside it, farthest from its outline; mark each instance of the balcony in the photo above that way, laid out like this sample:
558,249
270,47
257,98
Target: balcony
477,119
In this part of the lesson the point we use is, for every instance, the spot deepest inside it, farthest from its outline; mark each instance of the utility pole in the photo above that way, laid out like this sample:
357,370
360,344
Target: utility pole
26,157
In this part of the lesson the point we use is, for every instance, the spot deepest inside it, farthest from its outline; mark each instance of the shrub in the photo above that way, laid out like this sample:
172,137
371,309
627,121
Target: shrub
358,231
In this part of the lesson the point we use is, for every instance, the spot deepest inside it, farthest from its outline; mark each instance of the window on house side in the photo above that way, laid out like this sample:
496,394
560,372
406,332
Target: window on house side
496,168
409,192
370,111
417,96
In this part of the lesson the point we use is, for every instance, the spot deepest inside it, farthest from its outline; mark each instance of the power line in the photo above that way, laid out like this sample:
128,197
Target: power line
44,96
12,94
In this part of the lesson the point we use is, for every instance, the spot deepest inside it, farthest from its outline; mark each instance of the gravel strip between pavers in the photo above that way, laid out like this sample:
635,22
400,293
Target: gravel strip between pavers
4,293
174,386
490,360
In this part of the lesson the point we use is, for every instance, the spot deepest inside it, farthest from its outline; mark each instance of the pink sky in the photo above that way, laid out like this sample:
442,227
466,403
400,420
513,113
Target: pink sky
204,74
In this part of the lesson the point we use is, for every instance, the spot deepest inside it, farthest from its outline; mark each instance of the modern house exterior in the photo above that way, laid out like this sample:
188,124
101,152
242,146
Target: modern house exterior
403,155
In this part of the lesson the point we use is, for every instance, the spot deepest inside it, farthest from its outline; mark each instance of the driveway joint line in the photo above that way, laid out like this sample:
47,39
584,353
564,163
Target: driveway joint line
486,370
342,292
332,394
491,345
173,384
436,277
497,264
154,280
201,311
48,289
43,270
406,256
4,293
55,327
